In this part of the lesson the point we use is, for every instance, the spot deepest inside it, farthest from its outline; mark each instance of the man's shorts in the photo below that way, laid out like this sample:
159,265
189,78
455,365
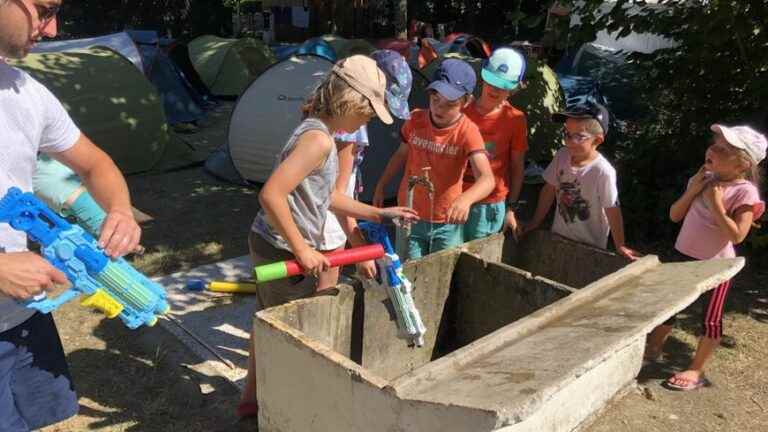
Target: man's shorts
484,220
35,386
427,238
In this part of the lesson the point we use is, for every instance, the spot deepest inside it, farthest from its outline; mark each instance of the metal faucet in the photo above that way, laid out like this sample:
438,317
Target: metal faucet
413,181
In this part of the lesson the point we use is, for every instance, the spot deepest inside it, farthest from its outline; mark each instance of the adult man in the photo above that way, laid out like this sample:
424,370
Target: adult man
35,389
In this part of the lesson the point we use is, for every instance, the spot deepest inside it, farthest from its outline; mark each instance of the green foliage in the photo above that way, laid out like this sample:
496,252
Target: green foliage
717,73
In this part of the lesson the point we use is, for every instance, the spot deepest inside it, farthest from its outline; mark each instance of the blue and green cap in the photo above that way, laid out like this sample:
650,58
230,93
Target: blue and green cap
504,69
399,81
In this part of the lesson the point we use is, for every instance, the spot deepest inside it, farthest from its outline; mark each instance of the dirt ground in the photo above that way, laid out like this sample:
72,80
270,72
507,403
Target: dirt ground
137,380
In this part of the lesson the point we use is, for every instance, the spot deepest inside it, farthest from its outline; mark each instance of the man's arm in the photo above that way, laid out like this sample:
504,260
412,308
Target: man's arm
120,233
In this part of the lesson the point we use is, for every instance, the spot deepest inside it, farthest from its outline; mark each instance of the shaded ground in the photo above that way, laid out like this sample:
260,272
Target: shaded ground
136,380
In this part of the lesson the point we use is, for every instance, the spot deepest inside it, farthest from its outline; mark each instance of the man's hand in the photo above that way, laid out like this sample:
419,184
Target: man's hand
24,275
120,233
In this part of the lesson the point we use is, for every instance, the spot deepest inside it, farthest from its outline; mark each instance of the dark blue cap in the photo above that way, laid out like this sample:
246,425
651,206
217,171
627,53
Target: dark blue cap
585,110
453,79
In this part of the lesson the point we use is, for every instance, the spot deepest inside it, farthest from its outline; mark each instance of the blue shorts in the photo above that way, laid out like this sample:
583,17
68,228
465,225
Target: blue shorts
35,386
484,220
427,238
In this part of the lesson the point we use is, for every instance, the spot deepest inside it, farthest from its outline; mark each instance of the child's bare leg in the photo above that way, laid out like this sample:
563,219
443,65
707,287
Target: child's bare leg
329,278
655,342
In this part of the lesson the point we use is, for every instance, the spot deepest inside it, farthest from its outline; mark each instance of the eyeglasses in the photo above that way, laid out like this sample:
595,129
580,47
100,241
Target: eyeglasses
578,137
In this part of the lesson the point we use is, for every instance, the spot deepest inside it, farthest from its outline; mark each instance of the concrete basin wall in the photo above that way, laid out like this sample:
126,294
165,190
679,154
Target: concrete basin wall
559,259
506,349
486,296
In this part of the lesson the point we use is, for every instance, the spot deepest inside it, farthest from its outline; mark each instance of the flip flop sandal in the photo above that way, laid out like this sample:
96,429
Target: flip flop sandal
691,385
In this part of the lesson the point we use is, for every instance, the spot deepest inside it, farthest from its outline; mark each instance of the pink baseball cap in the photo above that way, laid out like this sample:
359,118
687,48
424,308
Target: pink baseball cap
745,138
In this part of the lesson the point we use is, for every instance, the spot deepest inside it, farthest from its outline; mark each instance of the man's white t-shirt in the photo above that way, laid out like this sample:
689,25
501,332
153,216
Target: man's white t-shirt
582,195
32,121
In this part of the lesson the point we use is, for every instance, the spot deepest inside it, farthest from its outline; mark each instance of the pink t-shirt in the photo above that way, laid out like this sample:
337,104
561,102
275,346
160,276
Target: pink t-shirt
701,237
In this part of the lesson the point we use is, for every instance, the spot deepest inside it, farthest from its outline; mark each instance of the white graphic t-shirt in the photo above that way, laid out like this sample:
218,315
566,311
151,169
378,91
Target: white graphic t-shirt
582,194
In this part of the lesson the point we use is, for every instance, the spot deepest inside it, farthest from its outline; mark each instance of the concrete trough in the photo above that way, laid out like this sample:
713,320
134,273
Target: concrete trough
521,337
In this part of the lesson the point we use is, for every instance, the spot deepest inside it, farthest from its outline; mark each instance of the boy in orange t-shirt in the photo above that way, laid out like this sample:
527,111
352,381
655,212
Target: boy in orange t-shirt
443,139
505,132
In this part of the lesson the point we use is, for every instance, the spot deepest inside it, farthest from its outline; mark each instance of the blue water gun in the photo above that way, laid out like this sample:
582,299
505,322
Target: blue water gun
398,287
113,287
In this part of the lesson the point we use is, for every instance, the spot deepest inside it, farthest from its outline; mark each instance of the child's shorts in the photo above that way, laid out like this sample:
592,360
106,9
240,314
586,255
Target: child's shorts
427,238
484,220
709,306
279,291
35,386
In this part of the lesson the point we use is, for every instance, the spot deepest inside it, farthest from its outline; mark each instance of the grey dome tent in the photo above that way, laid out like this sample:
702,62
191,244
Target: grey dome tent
268,111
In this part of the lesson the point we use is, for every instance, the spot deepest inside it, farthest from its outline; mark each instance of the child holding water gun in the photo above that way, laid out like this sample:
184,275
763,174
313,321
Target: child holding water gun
717,210
296,197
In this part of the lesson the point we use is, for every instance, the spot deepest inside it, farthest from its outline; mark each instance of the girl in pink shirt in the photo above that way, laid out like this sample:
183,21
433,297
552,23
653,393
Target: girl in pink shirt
717,210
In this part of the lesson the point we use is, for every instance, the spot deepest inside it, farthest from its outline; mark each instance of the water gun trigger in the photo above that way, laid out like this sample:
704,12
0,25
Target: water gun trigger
104,303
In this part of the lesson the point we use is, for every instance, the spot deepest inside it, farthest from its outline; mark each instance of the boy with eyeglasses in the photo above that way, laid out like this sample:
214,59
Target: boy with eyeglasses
583,183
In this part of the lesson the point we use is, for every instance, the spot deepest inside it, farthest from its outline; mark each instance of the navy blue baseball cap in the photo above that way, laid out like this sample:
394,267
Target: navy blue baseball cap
399,81
453,79
585,110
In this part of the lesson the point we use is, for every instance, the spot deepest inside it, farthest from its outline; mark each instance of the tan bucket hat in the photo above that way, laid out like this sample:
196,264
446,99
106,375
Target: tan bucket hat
363,75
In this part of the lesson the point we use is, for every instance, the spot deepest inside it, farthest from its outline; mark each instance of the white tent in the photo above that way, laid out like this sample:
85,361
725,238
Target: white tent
268,111
119,42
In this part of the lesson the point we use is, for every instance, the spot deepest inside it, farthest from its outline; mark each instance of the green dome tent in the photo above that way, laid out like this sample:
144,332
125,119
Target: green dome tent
111,102
228,66
541,97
